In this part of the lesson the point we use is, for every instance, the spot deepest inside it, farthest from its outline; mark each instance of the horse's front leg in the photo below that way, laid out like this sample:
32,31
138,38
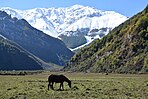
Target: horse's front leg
61,86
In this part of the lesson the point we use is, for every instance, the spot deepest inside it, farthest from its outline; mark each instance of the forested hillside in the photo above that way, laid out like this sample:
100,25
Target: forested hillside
123,50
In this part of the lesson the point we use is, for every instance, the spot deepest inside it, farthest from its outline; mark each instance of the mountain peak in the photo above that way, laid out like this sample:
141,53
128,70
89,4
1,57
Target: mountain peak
77,20
77,6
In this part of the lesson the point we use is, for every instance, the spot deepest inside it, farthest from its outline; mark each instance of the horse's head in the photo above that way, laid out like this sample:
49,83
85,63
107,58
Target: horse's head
69,83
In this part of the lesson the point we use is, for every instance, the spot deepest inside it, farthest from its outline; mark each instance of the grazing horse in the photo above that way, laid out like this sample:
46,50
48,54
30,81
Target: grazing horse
58,79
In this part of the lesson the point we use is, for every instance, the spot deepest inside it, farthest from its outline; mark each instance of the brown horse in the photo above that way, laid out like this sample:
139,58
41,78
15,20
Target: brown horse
58,79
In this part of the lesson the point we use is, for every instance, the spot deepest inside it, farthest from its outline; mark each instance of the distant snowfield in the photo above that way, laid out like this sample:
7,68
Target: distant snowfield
89,40
70,21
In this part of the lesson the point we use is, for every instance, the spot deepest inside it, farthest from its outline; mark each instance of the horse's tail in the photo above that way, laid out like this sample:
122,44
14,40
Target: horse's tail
49,84
49,77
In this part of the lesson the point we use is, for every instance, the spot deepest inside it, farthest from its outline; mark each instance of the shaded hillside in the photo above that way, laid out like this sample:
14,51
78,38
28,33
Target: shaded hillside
123,50
45,47
14,58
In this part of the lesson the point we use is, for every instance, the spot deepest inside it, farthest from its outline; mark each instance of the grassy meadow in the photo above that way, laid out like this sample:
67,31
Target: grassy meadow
84,86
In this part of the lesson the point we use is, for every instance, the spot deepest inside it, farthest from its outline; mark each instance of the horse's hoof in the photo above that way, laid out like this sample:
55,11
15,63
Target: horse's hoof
59,90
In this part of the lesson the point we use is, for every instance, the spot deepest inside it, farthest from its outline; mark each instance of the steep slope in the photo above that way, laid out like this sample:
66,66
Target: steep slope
123,50
12,57
74,25
47,48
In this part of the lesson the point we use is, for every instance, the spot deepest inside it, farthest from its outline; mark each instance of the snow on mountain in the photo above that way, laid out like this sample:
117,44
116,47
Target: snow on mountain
108,20
2,36
70,22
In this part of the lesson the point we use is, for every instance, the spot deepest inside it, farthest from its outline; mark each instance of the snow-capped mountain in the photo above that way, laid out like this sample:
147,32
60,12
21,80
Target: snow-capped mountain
75,25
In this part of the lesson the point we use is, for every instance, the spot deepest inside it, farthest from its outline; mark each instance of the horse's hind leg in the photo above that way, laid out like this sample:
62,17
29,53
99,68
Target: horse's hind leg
48,85
51,86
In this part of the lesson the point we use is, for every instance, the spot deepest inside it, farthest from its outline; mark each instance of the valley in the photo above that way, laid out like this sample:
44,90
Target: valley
103,54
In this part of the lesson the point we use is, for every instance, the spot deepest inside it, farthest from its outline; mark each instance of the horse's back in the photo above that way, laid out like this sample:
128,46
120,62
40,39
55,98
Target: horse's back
56,78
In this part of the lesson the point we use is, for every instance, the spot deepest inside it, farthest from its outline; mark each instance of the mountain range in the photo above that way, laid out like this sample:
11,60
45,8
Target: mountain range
109,48
123,50
76,25
34,41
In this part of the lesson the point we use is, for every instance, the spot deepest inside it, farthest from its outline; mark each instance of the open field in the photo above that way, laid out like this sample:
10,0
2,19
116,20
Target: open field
84,86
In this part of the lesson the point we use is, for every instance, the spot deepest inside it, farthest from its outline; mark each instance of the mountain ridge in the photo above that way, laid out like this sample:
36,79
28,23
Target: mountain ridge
33,40
13,57
66,22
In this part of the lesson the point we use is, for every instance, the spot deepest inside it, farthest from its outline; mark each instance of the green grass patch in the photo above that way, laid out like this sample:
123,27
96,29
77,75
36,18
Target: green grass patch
84,86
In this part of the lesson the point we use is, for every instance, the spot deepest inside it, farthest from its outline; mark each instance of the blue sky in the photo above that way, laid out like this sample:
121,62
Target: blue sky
125,7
